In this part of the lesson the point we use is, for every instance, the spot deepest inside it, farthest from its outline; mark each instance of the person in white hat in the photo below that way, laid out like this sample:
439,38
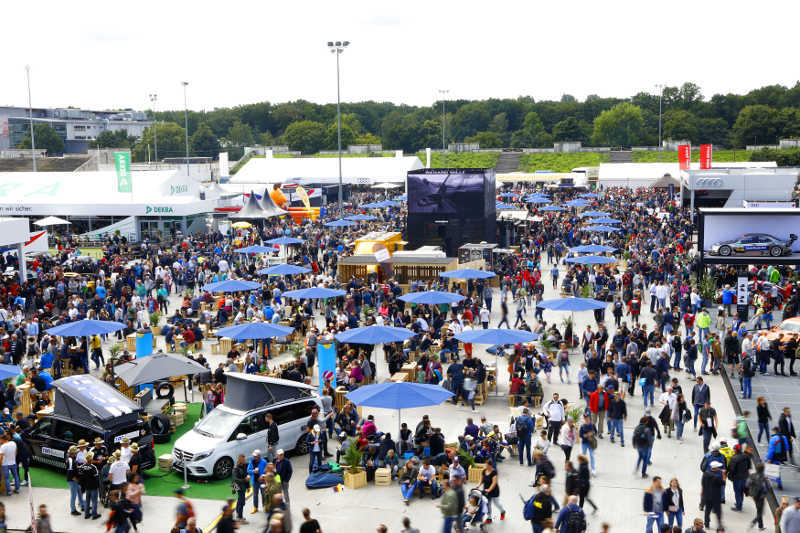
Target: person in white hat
125,450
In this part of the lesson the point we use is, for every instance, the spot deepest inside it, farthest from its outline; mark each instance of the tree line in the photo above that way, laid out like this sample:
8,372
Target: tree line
762,116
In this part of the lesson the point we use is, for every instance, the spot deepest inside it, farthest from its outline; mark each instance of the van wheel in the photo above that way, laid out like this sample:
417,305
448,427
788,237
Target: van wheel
223,468
301,448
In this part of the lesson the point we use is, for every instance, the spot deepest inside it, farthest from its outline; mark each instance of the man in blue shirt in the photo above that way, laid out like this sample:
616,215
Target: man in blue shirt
525,428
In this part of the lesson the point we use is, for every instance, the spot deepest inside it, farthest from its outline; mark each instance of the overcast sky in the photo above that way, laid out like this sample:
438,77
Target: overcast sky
112,55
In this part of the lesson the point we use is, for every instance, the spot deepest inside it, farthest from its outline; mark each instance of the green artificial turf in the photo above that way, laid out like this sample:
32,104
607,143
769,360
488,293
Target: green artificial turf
157,483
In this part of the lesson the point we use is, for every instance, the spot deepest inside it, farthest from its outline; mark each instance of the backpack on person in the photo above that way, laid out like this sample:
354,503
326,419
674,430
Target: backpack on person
576,522
521,426
529,510
640,439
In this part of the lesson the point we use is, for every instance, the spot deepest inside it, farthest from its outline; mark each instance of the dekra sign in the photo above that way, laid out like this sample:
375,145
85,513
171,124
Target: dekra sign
158,209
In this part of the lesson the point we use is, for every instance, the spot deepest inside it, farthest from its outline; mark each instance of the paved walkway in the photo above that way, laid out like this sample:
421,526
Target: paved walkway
617,490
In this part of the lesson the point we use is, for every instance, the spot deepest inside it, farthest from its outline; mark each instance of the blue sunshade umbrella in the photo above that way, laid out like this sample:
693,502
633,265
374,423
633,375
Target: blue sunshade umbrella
339,223
595,214
9,371
85,328
360,217
284,270
503,205
388,203
572,304
552,208
604,220
497,336
255,330
285,240
431,298
592,249
399,396
601,227
578,203
401,198
508,194
467,273
374,335
591,260
372,205
231,285
255,249
538,200
313,293
588,195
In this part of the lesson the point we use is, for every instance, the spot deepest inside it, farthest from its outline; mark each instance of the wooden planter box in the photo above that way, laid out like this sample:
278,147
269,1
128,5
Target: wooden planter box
474,474
355,481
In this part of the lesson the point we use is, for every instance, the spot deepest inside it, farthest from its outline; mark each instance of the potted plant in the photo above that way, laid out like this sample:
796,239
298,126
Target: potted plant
707,289
113,353
355,477
155,317
566,323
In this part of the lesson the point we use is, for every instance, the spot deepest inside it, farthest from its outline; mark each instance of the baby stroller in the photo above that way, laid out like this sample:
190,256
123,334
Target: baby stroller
474,512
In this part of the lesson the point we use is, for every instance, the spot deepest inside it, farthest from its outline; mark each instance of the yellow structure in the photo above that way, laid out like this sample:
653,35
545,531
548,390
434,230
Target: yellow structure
372,243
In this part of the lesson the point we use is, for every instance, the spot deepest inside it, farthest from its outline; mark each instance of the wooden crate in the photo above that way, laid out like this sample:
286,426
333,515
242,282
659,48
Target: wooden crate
355,481
165,462
383,477
474,474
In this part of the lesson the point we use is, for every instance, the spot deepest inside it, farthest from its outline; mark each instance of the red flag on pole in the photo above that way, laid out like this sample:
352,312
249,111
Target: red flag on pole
705,156
684,156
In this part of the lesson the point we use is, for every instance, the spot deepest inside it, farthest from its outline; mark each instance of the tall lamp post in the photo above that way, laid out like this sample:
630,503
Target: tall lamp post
336,48
443,92
660,88
153,99
30,116
186,124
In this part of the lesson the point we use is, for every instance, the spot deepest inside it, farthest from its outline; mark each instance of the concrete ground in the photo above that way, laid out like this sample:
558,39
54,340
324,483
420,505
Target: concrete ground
616,490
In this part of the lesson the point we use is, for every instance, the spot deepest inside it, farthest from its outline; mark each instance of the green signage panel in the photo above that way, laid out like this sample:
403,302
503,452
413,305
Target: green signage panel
122,160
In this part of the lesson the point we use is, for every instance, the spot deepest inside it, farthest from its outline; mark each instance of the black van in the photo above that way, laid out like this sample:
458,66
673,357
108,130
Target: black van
87,408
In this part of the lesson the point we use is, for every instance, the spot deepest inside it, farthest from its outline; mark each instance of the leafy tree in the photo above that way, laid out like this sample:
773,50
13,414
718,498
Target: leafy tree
204,143
266,139
307,136
367,138
240,134
170,142
349,136
571,129
470,119
622,125
756,124
713,131
680,124
567,98
486,139
789,122
45,138
113,139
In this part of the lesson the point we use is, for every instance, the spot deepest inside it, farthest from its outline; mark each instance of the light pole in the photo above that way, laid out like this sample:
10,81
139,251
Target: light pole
443,92
660,88
186,124
153,99
337,47
30,116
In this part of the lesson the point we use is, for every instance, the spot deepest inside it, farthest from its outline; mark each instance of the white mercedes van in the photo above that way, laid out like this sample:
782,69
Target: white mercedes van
238,425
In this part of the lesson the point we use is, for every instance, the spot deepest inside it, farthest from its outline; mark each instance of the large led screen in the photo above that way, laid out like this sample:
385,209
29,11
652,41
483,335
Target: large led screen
449,192
740,235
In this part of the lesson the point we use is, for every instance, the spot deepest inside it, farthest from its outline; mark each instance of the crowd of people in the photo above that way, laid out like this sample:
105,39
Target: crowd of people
665,337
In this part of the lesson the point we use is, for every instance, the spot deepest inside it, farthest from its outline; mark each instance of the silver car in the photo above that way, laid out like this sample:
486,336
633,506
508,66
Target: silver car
754,244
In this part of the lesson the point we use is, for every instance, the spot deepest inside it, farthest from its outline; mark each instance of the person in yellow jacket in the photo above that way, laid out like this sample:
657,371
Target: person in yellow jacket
703,323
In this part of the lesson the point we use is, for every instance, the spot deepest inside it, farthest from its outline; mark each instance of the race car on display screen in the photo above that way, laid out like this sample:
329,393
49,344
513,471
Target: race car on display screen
754,244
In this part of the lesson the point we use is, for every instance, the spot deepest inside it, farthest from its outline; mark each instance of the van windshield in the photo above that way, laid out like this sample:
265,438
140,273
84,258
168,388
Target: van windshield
218,424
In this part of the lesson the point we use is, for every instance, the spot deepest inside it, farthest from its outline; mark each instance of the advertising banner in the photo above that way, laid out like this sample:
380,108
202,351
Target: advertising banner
326,362
122,161
684,156
705,156
449,192
741,297
224,167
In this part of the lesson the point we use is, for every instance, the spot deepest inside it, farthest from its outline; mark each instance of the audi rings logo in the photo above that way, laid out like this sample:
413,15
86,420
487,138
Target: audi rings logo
708,183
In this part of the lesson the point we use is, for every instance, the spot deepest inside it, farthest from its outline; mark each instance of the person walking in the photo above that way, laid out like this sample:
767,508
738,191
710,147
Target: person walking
89,479
555,414
598,405
256,468
643,441
72,481
764,416
700,395
448,506
587,433
712,482
617,413
8,458
283,468
504,311
757,489
567,437
241,482
653,505
673,503
708,424
491,489
309,525
584,482
738,472
790,519
525,428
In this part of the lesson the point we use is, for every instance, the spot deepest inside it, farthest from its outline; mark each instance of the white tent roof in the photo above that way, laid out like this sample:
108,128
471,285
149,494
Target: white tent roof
361,170
644,173
51,221
155,193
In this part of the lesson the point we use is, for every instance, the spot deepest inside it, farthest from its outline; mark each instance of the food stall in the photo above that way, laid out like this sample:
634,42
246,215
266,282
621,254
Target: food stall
419,267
